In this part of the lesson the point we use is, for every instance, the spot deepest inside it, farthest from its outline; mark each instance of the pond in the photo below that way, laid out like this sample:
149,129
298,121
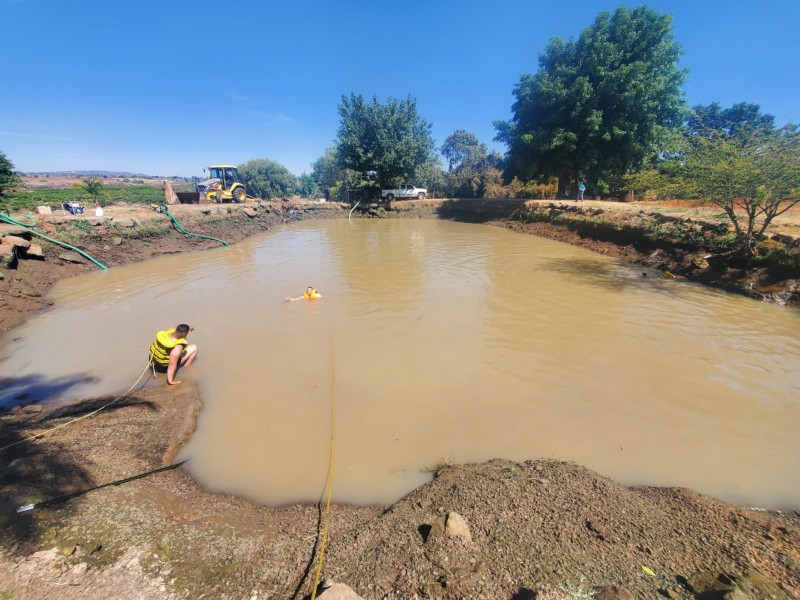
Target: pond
448,343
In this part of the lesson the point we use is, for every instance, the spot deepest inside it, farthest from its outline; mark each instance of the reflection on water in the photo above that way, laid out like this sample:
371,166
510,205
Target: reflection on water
449,342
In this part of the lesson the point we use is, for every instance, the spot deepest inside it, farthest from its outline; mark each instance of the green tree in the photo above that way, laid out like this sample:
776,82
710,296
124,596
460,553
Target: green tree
327,170
752,174
471,165
739,118
462,148
599,107
385,142
267,179
307,186
430,175
94,187
9,178
668,177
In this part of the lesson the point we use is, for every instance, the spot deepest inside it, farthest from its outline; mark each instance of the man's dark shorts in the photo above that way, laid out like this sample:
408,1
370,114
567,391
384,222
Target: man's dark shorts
159,368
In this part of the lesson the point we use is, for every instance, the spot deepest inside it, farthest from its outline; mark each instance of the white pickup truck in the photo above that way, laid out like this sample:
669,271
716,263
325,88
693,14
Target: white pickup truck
404,191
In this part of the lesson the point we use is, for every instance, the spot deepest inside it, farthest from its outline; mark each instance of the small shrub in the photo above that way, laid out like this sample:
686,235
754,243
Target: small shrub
777,256
84,226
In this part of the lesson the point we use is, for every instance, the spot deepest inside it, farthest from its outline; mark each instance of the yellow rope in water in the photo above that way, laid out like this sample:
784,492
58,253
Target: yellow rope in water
86,416
330,476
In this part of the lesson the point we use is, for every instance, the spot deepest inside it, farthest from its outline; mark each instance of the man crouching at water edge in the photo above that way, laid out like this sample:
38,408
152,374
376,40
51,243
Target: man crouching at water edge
310,294
171,351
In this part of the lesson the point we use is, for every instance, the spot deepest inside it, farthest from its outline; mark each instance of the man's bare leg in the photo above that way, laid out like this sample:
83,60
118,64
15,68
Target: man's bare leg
189,356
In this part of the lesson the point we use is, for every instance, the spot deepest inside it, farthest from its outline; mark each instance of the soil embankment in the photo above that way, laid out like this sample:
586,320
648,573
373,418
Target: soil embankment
539,529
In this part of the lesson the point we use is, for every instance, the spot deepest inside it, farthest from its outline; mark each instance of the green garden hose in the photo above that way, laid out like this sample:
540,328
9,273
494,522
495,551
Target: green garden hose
32,231
164,210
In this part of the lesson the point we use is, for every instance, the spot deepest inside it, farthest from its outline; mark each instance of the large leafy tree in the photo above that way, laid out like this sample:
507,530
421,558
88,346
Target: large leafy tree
383,142
598,107
267,179
752,172
9,178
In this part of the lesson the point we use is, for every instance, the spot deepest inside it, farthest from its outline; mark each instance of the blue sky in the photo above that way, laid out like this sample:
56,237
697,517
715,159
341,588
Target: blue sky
166,88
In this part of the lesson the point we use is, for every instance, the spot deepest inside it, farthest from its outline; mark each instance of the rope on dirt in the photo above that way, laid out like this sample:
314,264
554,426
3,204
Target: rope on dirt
64,498
330,475
178,226
32,231
87,415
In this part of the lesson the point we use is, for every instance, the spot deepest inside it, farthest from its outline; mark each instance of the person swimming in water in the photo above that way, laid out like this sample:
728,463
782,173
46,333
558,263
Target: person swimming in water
309,294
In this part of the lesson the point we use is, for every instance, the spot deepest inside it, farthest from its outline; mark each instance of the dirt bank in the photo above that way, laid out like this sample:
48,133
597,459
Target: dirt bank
537,529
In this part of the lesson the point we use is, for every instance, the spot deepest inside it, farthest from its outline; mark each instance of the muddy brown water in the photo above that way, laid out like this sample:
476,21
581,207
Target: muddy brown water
447,343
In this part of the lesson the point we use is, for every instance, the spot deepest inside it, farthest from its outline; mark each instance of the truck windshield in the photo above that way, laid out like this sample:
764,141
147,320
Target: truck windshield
214,173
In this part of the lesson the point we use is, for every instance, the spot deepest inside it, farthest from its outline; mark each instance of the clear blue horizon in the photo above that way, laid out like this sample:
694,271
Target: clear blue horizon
169,88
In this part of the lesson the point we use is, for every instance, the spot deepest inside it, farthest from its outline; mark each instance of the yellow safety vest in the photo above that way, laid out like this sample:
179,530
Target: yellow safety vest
163,345
311,296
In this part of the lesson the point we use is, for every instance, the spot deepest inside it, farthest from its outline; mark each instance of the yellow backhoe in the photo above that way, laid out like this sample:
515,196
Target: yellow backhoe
223,185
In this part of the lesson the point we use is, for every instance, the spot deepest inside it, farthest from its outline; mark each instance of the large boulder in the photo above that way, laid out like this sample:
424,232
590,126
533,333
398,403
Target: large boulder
34,251
452,524
16,241
7,229
8,255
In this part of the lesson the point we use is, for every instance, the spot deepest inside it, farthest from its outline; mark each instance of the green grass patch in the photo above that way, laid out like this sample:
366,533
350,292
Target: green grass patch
132,194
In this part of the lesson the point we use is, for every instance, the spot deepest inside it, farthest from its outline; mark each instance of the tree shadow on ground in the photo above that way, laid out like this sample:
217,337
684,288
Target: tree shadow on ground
39,470
29,389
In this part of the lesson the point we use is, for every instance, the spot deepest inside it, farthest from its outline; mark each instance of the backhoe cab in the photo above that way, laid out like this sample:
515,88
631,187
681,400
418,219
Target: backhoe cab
222,185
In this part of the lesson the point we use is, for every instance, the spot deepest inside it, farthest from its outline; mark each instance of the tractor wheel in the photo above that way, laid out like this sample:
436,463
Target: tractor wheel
213,198
239,195
421,195
390,197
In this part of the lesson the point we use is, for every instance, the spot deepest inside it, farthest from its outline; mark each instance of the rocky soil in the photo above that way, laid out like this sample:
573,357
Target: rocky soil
539,529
